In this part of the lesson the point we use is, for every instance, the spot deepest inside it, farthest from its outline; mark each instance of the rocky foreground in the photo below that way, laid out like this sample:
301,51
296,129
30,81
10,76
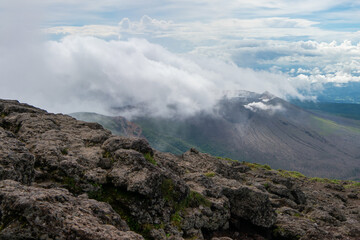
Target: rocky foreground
65,179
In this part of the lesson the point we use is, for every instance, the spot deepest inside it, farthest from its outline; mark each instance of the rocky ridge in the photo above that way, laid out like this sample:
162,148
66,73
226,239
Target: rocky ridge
66,179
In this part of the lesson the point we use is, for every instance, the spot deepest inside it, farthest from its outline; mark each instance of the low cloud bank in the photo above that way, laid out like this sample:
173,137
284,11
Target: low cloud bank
133,77
118,77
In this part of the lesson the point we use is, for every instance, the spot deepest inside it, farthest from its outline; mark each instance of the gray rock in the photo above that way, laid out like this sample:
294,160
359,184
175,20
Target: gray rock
353,196
16,162
252,205
299,196
338,214
138,144
279,190
37,213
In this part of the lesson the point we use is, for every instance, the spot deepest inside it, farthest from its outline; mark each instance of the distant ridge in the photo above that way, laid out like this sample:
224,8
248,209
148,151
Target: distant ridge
266,129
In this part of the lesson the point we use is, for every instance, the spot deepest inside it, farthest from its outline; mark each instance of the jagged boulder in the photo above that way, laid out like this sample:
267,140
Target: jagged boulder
252,205
133,172
139,144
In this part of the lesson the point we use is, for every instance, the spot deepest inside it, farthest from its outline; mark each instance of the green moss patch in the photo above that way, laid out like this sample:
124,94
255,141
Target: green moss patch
108,155
179,203
168,192
176,219
292,174
352,184
257,166
150,158
209,174
325,180
227,159
72,185
64,151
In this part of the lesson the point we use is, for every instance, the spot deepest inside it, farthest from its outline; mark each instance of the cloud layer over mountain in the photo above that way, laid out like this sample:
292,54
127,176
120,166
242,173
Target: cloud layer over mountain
91,74
169,58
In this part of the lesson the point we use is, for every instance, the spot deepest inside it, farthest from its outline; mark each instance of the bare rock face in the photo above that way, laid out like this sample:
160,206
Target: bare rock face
16,162
38,213
65,179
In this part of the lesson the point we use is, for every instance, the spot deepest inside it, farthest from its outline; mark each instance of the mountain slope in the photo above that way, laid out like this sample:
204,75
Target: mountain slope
347,110
66,179
118,125
265,129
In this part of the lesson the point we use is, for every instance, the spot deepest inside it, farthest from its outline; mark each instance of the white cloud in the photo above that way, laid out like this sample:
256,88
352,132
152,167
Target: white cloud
247,43
256,106
306,61
274,27
323,62
81,73
91,74
84,72
221,29
88,30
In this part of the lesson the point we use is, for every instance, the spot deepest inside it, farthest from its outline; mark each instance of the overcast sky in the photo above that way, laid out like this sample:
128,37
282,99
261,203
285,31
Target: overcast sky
171,56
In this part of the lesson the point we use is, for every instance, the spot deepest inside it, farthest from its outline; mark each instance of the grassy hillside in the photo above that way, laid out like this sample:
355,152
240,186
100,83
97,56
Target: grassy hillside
170,135
348,110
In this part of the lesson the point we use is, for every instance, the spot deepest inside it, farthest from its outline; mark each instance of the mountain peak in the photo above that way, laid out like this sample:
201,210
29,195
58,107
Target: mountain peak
267,95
